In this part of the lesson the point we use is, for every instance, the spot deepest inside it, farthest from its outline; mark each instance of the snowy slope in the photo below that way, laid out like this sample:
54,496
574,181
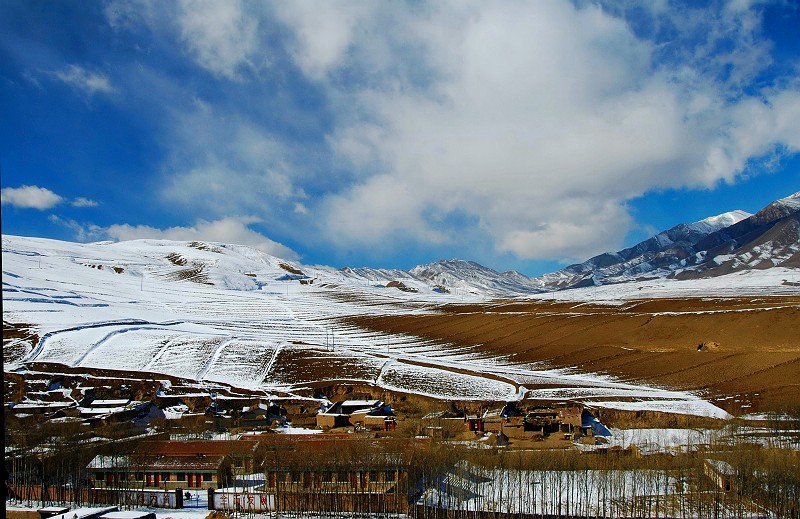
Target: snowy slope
226,314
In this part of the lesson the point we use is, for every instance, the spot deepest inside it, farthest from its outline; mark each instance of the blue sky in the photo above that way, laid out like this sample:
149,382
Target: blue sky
522,135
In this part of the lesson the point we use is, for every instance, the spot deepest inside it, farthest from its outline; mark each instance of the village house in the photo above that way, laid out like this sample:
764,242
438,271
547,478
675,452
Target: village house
573,420
370,414
118,409
39,407
170,464
347,472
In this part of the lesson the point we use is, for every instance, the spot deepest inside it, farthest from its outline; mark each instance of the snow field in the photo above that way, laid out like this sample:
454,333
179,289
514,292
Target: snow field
443,383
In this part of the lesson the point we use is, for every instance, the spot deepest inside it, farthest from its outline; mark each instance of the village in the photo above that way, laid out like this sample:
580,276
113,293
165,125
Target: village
165,445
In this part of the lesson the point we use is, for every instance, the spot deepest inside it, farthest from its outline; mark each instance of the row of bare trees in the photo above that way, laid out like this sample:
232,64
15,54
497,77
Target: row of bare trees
755,482
45,461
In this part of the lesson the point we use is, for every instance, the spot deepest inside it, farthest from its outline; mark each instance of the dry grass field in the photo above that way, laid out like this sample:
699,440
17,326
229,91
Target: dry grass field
754,365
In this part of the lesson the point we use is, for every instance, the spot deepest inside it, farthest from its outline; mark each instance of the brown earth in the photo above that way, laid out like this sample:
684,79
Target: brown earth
754,364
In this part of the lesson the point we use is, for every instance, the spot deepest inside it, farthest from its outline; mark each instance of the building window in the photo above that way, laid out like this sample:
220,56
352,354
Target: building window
181,476
165,476
341,476
206,477
327,476
295,476
390,475
373,476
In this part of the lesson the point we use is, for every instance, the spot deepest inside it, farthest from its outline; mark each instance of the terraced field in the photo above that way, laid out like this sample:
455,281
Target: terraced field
654,342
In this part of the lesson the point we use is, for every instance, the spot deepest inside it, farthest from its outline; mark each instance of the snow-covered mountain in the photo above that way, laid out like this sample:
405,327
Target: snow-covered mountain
442,277
470,276
717,245
769,238
725,243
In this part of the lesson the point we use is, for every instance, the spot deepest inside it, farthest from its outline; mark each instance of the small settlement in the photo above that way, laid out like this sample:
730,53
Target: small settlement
249,453
570,422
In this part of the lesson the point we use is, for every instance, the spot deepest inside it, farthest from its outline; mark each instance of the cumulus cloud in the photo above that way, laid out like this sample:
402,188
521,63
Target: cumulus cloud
84,81
529,124
225,230
30,197
543,120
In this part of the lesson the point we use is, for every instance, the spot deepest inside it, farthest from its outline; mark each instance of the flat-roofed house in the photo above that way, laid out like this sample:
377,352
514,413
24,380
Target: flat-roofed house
170,464
344,472
372,414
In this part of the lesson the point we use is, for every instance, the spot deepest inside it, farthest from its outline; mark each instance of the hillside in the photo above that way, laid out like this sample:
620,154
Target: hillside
225,314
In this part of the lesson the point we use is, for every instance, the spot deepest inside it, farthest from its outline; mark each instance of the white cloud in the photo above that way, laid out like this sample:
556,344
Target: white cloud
233,165
578,226
220,35
87,82
323,32
532,122
225,230
84,202
30,197
83,232
537,107
537,104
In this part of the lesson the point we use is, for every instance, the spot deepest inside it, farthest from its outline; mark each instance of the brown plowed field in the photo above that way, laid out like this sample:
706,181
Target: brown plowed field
650,341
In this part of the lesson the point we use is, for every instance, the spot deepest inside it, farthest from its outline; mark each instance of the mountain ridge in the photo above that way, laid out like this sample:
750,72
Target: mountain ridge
718,245
685,251
691,251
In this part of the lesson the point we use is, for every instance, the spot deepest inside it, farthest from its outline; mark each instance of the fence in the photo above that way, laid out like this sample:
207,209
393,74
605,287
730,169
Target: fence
333,502
125,497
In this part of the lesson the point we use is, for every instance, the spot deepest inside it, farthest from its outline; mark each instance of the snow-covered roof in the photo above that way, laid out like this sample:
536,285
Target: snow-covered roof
109,402
41,405
354,403
91,411
181,463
